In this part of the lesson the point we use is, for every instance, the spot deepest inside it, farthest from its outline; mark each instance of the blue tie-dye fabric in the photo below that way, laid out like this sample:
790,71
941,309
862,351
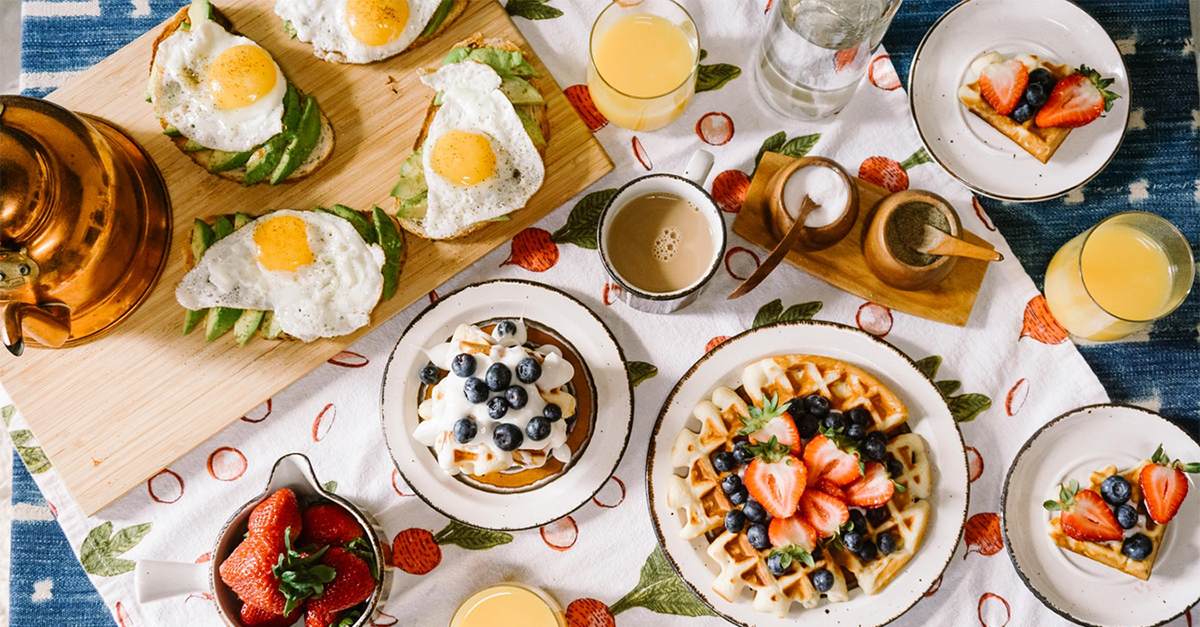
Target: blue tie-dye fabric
1163,372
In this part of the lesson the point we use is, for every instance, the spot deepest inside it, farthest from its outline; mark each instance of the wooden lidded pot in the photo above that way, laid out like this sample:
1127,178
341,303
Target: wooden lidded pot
894,225
815,238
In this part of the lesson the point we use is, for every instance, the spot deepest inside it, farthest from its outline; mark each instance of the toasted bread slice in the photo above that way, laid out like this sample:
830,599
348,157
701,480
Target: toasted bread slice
537,111
319,155
1040,142
456,10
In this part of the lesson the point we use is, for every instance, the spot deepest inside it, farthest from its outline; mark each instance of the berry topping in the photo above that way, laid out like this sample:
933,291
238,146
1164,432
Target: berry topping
465,430
552,412
1023,112
498,377
860,416
755,512
886,542
730,484
767,422
874,446
429,374
807,425
867,551
739,496
734,521
723,461
740,453
825,513
852,540
834,421
817,405
775,478
775,563
1084,515
507,437
877,515
826,460
856,432
894,467
858,522
1002,83
504,328
1164,485
758,536
873,489
1137,547
793,531
1077,100
463,365
538,428
822,580
1116,490
528,370
475,390
497,407
1127,516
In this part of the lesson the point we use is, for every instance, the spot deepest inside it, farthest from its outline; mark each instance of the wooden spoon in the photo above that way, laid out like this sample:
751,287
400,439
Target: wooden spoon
937,242
777,255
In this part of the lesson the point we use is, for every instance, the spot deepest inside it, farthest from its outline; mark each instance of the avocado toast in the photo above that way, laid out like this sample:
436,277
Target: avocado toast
446,12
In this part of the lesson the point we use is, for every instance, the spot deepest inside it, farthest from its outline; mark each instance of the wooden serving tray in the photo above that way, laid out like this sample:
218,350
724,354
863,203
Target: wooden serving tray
843,265
113,412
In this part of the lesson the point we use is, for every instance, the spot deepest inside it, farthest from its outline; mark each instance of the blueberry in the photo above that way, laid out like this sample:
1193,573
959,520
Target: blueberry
874,446
516,396
505,328
859,416
538,428
1137,547
795,408
852,540
498,377
552,412
730,483
430,374
475,390
1035,94
822,580
724,461
887,543
808,425
894,468
507,437
1043,77
528,370
739,496
755,512
878,515
741,454
497,407
463,365
465,430
1116,490
1127,516
758,537
817,405
834,421
775,564
866,551
1023,112
855,432
858,521
734,521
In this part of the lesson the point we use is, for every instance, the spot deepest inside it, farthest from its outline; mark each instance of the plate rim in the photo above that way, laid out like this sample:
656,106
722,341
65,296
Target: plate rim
912,112
524,283
1012,557
650,451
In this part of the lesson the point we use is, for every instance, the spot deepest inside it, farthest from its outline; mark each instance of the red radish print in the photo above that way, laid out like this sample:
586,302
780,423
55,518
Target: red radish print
987,596
561,534
349,359
882,73
397,482
53,509
729,190
612,291
769,3
383,619
415,552
1040,323
580,97
323,422
982,534
937,585
845,58
261,418
713,343
974,463
978,206
170,486
226,464
715,128
1016,397
620,484
589,613
122,616
745,254
640,153
533,250
889,174
1188,614
874,319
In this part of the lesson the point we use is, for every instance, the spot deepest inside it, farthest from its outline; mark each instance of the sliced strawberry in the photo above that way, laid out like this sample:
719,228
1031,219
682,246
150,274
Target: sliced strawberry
1164,485
1002,84
1077,100
826,461
776,485
783,430
825,513
792,530
871,490
770,420
828,487
1090,519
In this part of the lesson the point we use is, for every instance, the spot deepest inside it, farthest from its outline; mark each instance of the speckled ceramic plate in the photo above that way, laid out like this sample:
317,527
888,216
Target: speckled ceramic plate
1072,446
973,151
723,366
593,462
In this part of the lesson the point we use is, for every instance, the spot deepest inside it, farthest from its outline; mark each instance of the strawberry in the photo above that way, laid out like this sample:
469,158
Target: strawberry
771,421
1078,99
253,616
826,460
1084,515
1002,83
353,583
249,571
278,512
828,487
825,513
329,524
792,530
321,619
1164,485
871,490
775,478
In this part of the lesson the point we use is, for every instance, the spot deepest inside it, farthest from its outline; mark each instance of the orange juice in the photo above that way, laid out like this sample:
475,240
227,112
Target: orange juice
1126,272
508,605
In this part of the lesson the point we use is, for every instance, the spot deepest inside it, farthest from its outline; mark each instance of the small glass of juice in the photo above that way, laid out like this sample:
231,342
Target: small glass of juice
509,605
1119,276
644,56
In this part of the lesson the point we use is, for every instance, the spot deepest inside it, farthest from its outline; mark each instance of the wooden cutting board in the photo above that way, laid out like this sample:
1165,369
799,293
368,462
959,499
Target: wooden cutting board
113,412
843,265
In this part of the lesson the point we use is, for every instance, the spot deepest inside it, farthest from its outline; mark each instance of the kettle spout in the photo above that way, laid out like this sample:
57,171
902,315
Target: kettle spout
48,323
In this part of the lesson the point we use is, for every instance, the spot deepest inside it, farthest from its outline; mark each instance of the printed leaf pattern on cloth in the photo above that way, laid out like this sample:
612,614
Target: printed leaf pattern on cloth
7,413
330,486
773,312
795,147
713,77
471,538
640,371
661,591
33,456
532,9
583,221
964,407
100,550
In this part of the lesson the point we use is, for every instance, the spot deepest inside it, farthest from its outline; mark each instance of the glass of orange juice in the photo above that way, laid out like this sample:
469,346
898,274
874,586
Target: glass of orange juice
1119,276
644,56
509,605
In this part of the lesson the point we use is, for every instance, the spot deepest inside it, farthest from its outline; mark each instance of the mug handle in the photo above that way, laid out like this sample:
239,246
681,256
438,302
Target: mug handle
154,580
698,167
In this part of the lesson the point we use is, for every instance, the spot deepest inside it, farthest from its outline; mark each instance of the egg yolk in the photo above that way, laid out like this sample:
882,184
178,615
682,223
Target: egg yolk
376,22
463,158
283,244
241,75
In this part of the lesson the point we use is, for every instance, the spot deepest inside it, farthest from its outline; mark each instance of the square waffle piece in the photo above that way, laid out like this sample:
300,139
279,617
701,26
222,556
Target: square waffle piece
1039,142
1109,553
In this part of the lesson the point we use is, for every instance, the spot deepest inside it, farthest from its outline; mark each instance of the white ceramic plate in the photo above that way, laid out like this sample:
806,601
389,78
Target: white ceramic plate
723,366
592,465
1072,446
973,151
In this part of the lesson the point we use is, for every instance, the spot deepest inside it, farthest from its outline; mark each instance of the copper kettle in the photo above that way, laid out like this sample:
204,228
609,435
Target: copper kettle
85,225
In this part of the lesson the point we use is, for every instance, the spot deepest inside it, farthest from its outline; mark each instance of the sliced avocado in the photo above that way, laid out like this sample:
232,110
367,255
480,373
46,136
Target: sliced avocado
414,207
289,28
519,91
505,62
291,109
192,318
199,11
531,127
223,161
412,177
246,325
192,145
456,55
240,219
393,245
265,159
361,224
202,237
171,131
302,144
222,227
270,326
439,16
219,321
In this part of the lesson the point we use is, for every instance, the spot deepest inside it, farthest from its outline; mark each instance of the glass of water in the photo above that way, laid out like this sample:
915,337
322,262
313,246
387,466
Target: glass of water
815,53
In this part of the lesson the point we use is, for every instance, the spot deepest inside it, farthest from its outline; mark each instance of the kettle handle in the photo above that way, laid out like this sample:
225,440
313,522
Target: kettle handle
48,323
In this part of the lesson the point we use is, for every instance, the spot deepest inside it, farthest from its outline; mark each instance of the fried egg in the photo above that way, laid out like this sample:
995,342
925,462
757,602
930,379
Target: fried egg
478,160
312,269
220,90
357,31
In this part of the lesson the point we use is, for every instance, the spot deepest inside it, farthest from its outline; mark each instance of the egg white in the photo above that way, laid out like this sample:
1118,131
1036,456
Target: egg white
323,24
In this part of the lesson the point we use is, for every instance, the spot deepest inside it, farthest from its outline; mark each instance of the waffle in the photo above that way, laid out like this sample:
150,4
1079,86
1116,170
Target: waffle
704,505
1109,553
1039,142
